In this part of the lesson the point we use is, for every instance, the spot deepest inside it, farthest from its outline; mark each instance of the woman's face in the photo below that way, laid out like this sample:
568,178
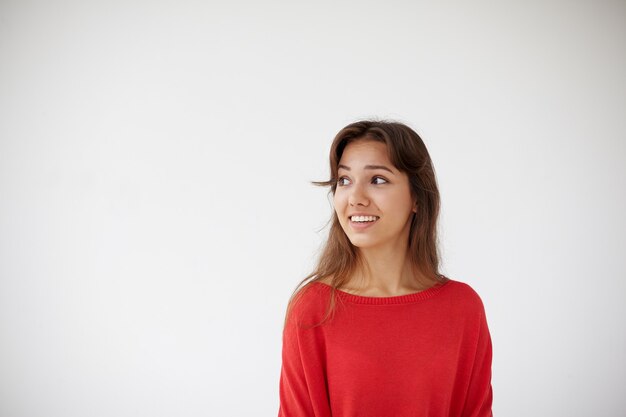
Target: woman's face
368,184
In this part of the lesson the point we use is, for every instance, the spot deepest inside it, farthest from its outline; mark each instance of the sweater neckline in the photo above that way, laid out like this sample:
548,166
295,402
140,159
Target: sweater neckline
394,299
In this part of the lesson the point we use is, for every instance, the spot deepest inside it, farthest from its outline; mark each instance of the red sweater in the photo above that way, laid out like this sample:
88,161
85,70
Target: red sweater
422,354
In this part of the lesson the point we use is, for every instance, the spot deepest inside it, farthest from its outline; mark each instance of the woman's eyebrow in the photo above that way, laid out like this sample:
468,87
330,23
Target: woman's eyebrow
366,167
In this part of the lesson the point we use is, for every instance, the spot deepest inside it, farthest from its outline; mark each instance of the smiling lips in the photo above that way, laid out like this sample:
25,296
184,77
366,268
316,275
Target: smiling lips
362,219
362,222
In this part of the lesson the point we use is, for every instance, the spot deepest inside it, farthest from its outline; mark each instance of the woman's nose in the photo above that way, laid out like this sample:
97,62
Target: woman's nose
358,195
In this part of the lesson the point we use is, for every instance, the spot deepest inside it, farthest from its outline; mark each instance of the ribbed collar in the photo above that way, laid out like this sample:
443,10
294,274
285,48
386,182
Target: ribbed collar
397,299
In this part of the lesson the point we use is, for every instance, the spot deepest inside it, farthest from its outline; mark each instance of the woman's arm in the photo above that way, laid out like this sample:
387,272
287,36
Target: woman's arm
480,396
303,386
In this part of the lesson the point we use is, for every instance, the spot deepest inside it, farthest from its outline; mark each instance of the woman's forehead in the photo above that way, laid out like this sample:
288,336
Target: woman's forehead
365,152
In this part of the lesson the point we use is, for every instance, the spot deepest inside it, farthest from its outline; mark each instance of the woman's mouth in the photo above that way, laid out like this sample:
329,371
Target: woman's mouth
362,222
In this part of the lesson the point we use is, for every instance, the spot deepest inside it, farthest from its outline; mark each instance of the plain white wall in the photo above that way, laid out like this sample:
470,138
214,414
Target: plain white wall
156,211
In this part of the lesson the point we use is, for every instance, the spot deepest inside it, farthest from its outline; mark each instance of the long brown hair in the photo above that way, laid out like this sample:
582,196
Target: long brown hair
407,152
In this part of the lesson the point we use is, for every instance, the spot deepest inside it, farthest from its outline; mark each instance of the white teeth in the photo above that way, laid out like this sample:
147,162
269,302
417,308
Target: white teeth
363,218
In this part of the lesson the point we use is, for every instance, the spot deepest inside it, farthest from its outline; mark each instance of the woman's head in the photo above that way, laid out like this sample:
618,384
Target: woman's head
373,200
404,198
403,183
411,163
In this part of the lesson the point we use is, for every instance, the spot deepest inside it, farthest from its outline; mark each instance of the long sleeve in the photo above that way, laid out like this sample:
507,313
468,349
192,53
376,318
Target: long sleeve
303,386
480,395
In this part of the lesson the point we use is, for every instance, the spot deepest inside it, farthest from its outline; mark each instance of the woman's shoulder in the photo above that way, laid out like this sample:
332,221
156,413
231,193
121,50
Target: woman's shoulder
465,296
310,301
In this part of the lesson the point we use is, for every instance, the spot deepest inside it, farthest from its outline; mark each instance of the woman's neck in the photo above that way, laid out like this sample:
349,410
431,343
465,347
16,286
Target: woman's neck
385,273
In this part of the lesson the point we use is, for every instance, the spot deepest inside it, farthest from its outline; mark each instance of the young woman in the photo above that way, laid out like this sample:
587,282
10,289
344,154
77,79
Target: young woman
378,331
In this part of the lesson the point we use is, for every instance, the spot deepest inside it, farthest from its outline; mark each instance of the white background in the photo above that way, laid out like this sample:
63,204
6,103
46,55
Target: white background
156,211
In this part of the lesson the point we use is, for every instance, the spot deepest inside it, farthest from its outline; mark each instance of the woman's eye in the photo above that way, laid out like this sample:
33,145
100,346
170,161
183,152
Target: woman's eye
380,178
340,181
